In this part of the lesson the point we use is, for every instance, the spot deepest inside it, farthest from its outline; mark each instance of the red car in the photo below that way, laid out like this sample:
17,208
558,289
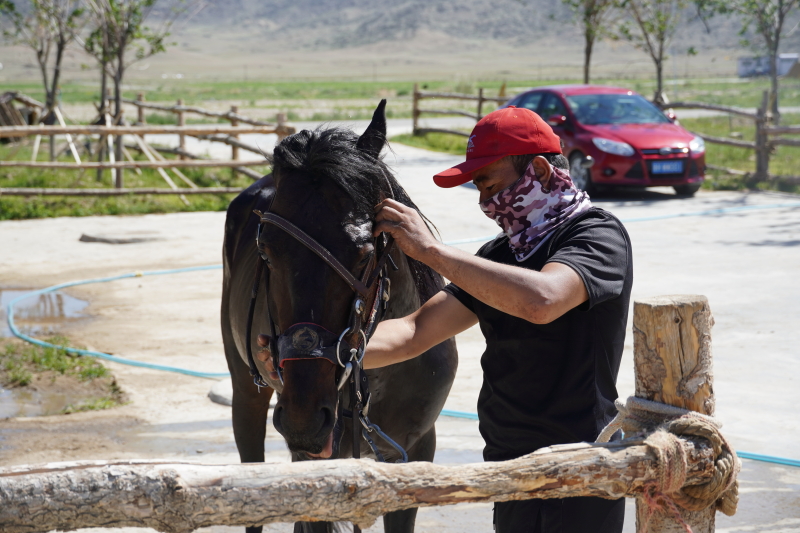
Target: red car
616,137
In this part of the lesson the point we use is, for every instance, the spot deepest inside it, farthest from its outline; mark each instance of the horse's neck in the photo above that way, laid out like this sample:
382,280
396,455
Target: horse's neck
404,298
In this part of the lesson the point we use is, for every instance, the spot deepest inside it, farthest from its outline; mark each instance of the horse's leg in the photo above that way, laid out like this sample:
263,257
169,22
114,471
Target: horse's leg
249,411
403,521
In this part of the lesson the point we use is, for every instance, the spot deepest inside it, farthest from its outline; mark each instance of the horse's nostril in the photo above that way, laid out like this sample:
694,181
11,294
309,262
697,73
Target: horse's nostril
328,417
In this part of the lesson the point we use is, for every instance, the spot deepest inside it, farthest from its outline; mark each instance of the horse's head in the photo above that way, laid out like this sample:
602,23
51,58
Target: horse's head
327,184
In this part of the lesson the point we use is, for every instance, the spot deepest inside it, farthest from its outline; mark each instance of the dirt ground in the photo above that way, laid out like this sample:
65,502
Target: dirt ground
745,262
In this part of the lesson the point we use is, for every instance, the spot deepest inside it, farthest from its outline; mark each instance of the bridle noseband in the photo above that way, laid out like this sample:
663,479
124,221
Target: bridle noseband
317,342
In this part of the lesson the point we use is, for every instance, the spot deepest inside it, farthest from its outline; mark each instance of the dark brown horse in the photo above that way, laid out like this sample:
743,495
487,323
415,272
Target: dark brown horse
326,182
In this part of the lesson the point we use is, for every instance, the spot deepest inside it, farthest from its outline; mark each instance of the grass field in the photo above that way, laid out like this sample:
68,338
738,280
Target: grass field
743,93
16,207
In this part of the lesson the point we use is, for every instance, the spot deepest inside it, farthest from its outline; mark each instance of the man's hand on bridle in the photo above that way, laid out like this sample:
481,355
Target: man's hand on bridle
405,224
265,356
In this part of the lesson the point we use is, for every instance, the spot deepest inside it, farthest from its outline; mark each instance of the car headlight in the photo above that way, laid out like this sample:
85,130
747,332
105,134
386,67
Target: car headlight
698,145
613,147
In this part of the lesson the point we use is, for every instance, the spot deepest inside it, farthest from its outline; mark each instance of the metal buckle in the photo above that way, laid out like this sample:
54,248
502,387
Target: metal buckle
339,343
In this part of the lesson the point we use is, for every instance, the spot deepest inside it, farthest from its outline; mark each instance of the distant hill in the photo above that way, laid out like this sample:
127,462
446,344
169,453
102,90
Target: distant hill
347,23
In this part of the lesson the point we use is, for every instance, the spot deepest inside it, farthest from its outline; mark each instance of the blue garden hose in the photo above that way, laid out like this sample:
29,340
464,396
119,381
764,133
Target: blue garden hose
212,375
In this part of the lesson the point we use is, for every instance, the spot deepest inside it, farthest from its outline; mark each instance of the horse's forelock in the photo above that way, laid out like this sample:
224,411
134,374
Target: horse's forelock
332,155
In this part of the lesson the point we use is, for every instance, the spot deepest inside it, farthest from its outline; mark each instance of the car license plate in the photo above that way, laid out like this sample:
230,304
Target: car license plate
667,167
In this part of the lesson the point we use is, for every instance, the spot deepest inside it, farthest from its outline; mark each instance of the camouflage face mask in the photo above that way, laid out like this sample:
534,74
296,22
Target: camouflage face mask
528,215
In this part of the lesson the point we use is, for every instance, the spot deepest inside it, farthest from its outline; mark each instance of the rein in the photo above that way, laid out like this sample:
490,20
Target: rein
320,343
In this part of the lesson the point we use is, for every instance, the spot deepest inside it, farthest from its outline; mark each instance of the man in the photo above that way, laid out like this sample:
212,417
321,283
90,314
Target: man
550,294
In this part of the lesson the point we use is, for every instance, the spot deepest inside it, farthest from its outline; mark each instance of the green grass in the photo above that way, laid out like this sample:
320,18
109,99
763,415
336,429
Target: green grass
21,361
438,142
745,93
17,207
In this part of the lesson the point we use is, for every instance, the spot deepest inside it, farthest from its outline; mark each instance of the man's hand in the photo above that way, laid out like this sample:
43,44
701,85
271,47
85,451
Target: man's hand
265,356
406,226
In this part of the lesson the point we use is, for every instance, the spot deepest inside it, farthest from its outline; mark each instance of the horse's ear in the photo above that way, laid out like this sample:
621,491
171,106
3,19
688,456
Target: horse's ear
374,137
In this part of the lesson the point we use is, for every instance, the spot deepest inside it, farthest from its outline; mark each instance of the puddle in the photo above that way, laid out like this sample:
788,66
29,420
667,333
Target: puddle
42,314
27,402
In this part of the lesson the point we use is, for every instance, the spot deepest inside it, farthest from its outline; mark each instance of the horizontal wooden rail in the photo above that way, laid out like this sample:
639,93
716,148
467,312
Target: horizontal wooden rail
232,141
227,115
782,130
39,191
711,107
456,96
728,142
785,142
172,163
181,497
22,131
473,116
252,174
423,131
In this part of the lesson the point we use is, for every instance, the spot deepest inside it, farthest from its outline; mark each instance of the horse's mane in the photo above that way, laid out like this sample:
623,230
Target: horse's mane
331,155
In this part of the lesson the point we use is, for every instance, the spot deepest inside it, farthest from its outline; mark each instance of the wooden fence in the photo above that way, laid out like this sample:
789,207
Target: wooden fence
672,358
420,95
229,135
767,137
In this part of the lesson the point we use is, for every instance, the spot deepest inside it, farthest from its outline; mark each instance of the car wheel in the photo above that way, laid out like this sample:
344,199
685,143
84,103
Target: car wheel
581,177
687,190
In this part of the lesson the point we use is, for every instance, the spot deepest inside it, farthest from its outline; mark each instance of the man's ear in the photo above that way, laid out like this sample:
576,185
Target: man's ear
373,139
543,170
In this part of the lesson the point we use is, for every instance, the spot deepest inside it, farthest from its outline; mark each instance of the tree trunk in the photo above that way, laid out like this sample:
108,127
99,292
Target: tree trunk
119,181
672,359
658,98
587,52
181,497
773,78
101,152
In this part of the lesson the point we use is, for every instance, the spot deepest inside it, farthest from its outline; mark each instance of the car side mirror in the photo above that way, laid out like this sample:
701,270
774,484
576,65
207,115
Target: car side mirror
556,120
670,113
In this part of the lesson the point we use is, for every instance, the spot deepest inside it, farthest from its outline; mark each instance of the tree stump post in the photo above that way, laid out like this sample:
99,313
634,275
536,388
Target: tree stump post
480,103
673,365
762,141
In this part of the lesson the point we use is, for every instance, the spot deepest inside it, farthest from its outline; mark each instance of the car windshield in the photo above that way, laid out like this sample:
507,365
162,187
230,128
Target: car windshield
592,109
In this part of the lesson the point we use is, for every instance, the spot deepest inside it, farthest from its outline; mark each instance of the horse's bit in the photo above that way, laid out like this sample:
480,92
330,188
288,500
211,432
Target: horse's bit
318,342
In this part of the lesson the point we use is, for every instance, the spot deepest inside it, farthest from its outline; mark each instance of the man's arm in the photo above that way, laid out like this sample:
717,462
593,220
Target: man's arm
398,340
538,297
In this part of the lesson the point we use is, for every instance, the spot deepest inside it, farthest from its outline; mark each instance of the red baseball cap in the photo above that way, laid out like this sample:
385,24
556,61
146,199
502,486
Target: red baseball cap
507,131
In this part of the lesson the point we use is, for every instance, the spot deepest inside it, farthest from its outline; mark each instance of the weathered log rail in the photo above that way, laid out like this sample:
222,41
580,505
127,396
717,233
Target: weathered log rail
46,191
416,111
181,497
672,359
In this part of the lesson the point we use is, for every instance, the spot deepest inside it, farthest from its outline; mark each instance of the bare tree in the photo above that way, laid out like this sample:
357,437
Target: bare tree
767,19
593,16
120,37
655,24
47,27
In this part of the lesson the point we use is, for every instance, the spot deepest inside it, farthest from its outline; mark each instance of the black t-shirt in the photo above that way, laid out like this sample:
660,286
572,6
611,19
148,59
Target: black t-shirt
554,383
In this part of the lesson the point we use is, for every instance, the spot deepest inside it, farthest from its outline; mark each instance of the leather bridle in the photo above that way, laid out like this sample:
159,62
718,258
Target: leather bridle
317,342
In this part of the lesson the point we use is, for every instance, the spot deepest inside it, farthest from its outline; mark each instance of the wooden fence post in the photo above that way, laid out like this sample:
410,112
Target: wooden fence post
415,111
234,149
762,141
673,365
140,118
281,120
119,179
480,103
181,122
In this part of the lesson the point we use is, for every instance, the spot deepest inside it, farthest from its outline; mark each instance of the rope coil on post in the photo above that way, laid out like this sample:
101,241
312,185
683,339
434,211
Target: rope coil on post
662,424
